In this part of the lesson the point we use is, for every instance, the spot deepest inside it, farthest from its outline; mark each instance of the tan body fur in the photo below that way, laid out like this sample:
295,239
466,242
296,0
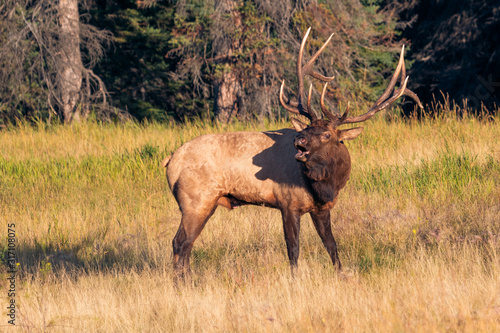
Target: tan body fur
241,167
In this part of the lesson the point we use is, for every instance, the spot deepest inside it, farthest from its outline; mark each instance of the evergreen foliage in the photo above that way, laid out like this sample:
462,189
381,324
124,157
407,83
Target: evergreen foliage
167,57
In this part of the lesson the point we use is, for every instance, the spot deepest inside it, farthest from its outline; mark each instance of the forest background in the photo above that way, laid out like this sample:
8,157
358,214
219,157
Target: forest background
225,59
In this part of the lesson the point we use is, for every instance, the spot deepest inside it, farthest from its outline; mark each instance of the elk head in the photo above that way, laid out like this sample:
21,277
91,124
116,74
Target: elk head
318,140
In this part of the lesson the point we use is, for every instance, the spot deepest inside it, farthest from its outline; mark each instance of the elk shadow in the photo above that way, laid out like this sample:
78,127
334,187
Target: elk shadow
278,162
92,253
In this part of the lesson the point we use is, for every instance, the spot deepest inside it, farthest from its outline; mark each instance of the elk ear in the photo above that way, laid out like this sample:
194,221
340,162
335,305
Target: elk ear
350,134
298,125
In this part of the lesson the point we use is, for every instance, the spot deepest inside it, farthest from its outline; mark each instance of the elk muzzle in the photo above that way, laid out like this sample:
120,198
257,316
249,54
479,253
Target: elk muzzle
301,144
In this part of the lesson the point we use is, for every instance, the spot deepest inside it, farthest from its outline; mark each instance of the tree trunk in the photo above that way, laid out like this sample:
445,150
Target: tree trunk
228,85
227,96
69,70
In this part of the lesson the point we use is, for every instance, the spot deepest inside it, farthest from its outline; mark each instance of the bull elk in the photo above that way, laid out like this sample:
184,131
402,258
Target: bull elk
297,171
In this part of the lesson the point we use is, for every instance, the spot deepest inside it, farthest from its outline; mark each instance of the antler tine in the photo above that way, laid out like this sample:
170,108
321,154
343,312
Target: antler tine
288,105
413,96
376,108
309,97
286,99
300,78
331,116
384,100
403,67
398,93
394,78
291,106
344,116
408,92
307,69
325,111
299,107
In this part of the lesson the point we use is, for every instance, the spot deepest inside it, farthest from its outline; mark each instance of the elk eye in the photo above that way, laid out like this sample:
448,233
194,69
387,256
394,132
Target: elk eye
326,136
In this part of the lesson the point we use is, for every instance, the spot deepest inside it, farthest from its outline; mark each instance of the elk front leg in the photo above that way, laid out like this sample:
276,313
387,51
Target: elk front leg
321,220
291,226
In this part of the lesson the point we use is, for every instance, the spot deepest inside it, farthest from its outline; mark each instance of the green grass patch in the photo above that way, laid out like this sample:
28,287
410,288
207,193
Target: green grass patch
459,175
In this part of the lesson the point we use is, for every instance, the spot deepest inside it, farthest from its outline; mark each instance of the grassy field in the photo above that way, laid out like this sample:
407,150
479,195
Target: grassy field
418,228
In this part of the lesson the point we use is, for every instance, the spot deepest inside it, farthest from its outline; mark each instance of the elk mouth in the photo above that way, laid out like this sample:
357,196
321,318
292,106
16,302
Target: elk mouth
302,153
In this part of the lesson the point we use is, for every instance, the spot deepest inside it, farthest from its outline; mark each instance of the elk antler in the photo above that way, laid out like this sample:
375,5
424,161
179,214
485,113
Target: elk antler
389,96
299,107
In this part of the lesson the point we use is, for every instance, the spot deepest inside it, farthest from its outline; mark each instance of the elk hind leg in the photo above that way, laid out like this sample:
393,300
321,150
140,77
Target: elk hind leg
193,221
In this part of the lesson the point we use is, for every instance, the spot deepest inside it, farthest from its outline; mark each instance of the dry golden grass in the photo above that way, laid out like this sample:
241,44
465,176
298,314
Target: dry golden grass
418,228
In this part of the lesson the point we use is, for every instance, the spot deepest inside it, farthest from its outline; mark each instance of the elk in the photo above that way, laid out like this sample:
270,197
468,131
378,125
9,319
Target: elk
297,171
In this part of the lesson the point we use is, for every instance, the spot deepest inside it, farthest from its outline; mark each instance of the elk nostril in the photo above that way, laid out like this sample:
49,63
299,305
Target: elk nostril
302,140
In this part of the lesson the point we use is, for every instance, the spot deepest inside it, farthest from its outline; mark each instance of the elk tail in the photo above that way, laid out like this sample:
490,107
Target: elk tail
165,161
